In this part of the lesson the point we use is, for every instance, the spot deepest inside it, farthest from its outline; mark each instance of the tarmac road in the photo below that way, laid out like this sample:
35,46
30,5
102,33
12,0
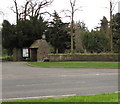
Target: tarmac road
20,81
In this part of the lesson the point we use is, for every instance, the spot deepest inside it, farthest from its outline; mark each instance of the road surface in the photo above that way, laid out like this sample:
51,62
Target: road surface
20,81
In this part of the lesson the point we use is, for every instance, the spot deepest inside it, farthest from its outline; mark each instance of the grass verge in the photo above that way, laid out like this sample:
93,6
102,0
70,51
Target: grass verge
5,57
110,97
77,64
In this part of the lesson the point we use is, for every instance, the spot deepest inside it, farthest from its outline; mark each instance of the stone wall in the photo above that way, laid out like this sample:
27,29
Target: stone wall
63,57
17,54
42,51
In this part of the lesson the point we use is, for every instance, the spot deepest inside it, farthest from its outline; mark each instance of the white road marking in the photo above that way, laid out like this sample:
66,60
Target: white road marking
38,97
27,85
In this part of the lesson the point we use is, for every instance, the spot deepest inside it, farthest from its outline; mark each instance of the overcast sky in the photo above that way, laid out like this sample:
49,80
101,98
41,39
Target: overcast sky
92,11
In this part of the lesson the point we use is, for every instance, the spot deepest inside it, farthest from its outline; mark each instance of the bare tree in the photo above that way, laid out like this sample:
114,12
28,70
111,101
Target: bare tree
37,7
16,10
80,27
78,41
112,7
30,8
72,12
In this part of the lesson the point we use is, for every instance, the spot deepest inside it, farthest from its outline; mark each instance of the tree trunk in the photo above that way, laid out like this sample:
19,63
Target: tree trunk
57,51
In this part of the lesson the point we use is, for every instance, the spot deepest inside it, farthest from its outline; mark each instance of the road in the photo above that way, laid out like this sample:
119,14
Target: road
20,81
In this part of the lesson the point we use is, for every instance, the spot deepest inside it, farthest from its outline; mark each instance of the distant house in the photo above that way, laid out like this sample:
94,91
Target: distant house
39,50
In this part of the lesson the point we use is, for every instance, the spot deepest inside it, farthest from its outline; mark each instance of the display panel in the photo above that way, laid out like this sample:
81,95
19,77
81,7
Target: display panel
25,52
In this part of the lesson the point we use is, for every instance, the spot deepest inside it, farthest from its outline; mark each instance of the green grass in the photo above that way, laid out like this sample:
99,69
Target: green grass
5,57
113,97
76,64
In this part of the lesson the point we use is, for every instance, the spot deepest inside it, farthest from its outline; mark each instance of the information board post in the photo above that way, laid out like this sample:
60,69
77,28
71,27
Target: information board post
25,53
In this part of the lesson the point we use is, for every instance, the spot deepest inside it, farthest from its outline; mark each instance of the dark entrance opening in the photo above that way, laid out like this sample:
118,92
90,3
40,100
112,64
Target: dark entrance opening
33,54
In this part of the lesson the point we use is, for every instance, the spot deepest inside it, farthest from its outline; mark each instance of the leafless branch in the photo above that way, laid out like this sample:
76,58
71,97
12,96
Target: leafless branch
1,13
46,13
115,5
12,9
17,13
30,8
64,11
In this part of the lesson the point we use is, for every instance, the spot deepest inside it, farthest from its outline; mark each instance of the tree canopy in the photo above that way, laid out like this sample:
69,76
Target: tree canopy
94,41
30,26
58,35
116,32
22,34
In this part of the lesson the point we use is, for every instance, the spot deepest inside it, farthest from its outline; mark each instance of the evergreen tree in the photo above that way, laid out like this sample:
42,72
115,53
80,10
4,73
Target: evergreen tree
94,41
30,30
104,25
58,34
22,34
8,36
116,32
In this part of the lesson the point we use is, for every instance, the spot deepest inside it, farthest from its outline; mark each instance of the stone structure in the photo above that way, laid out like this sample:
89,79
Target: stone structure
17,54
65,57
39,50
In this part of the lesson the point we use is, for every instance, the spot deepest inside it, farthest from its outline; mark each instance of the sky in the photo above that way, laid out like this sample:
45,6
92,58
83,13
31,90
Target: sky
119,7
91,11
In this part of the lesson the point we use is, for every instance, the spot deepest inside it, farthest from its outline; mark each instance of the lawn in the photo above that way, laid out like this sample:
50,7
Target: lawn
5,57
110,97
76,64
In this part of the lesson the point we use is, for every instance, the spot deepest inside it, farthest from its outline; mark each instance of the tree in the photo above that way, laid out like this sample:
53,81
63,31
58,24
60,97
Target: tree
31,8
58,34
79,28
22,34
30,24
104,25
116,32
112,7
94,41
8,36
72,13
30,30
